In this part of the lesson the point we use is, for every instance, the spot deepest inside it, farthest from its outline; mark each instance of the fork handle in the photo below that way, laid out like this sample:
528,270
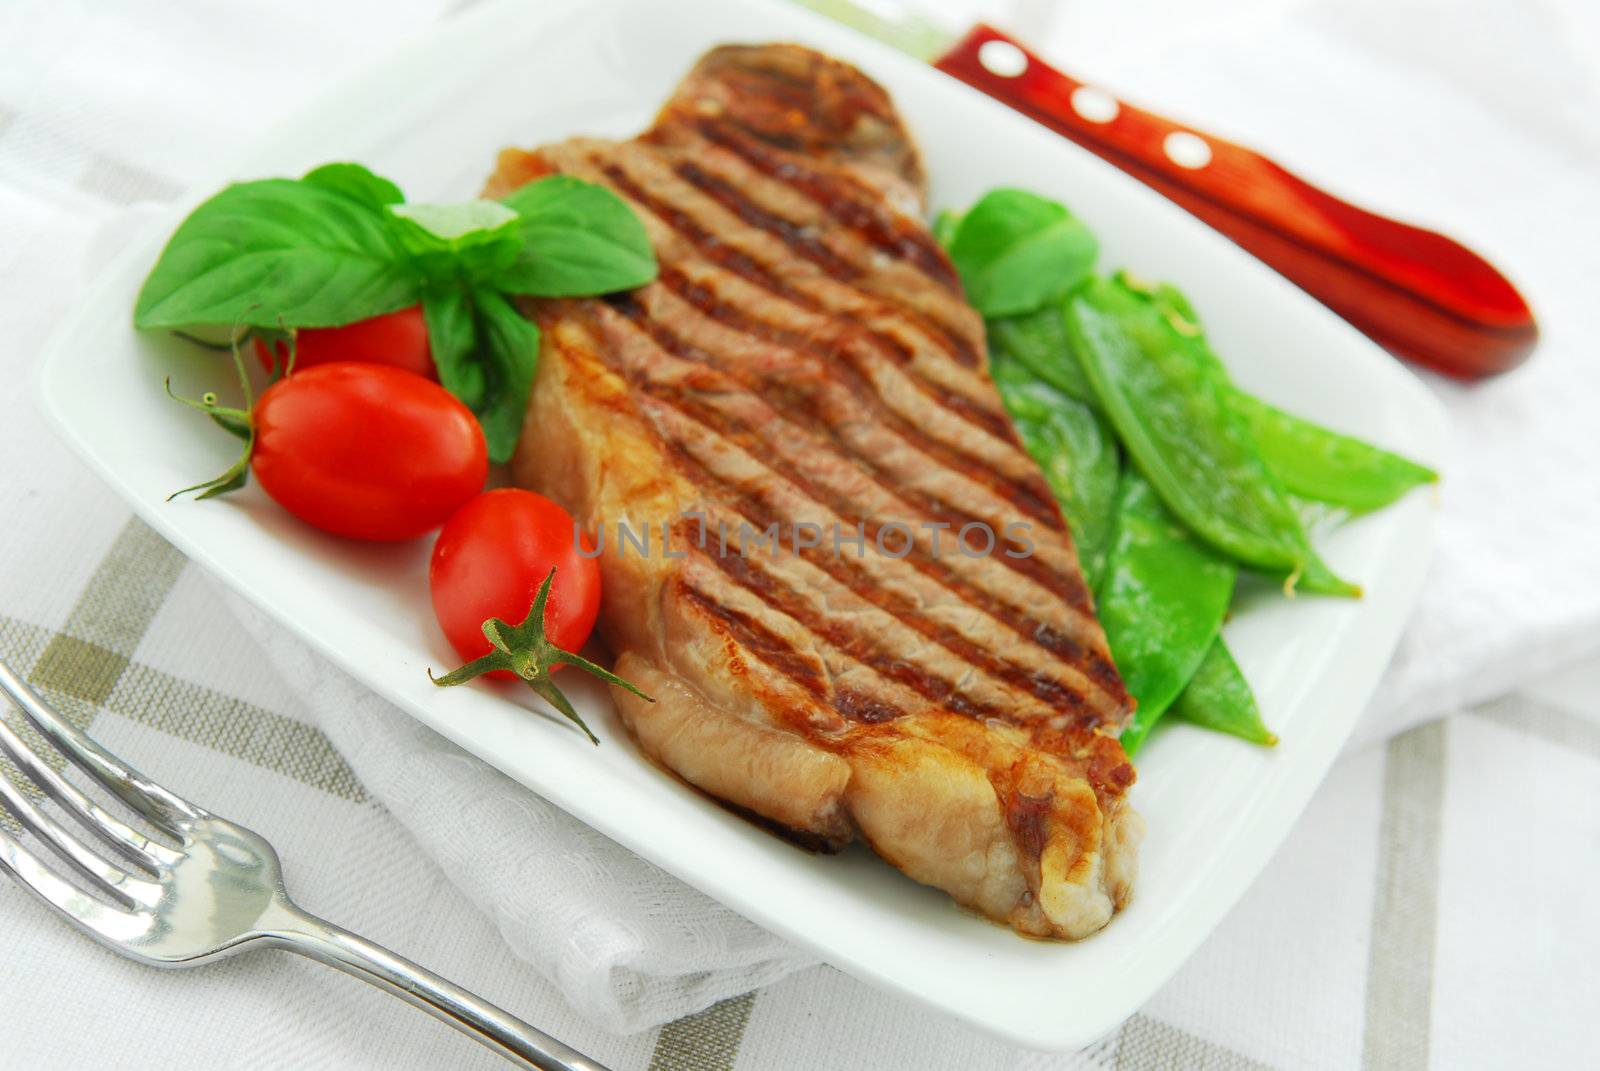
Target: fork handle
523,1045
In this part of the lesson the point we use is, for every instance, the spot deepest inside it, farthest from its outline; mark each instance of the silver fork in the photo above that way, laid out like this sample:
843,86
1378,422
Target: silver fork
218,892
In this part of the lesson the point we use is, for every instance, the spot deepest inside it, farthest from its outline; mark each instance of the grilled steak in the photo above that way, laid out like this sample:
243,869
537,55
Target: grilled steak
805,368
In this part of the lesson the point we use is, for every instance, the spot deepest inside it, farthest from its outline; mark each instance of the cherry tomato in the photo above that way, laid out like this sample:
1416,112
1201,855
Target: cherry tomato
490,560
398,339
367,451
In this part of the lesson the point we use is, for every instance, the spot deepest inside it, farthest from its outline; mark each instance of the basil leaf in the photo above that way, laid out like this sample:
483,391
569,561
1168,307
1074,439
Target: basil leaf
357,183
452,340
508,347
278,253
468,242
1018,252
578,239
486,354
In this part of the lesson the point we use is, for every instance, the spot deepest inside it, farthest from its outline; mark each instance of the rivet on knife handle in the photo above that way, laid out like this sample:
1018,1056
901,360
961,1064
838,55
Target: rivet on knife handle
1417,293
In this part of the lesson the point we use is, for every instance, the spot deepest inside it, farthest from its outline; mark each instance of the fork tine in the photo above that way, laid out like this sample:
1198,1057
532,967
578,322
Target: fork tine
123,887
133,844
127,784
99,919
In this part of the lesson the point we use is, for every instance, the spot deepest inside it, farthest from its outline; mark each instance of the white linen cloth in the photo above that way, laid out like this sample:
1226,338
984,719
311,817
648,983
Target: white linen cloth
1385,895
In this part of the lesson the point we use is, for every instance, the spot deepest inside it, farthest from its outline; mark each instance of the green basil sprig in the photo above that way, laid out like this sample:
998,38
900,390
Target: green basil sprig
578,239
341,244
278,252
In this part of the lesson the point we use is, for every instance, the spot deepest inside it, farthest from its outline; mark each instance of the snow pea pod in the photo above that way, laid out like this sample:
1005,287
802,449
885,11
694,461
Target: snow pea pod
1161,602
1309,460
1038,341
1074,448
1218,698
1166,394
1320,464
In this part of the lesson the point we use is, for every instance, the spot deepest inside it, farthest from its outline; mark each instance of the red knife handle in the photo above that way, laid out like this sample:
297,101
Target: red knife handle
1417,293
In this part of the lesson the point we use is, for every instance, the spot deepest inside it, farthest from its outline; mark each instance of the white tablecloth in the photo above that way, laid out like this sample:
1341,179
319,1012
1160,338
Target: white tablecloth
1432,906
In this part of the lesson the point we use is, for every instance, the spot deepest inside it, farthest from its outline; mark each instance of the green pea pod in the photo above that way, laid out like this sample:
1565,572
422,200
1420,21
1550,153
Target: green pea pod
1218,698
1038,341
1077,452
1316,463
1308,460
1167,396
1161,602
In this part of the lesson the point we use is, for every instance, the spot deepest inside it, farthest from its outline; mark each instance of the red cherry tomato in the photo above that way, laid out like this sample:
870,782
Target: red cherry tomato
490,560
367,451
398,339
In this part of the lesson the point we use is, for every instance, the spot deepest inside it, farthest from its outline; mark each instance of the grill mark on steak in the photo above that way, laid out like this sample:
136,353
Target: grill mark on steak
842,198
860,580
1018,618
791,234
863,708
1010,612
750,508
835,357
651,169
1013,619
831,112
863,648
755,271
780,210
854,644
674,345
759,640
706,244
926,507
704,237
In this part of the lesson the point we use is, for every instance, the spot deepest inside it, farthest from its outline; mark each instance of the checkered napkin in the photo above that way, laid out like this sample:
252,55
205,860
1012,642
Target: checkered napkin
1429,908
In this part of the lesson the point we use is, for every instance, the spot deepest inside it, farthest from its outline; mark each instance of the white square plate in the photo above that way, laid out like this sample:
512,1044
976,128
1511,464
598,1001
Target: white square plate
432,116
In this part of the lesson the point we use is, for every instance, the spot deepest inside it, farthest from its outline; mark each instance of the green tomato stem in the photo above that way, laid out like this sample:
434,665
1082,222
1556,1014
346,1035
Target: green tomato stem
525,651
